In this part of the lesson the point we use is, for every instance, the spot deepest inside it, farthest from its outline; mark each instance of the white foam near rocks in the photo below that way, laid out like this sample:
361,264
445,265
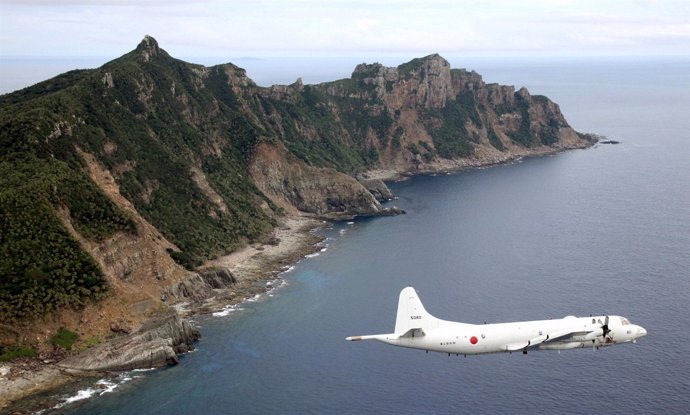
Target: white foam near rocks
101,387
272,285
227,310
253,299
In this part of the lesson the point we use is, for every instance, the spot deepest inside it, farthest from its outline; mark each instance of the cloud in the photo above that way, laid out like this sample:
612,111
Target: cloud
278,27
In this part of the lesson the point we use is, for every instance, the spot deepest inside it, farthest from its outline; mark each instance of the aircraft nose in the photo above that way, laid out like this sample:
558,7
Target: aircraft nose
641,331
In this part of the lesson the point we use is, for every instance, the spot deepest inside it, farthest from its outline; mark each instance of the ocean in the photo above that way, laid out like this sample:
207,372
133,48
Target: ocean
599,231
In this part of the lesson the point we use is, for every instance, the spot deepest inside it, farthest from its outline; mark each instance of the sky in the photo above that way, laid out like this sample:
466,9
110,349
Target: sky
284,28
277,41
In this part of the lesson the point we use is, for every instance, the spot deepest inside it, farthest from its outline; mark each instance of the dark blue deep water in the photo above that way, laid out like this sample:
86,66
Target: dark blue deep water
603,230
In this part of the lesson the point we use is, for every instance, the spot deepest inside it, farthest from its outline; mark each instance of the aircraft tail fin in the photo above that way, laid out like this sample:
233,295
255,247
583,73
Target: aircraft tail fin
411,313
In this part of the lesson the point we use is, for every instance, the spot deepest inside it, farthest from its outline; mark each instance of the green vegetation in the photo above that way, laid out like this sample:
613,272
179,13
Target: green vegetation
452,139
360,76
408,68
64,339
429,152
413,148
494,139
88,343
523,135
397,135
42,268
359,117
332,141
547,134
14,352
135,128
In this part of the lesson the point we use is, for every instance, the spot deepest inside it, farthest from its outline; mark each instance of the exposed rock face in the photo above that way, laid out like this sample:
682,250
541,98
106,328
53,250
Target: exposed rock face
148,48
315,190
155,344
199,287
127,257
377,188
422,83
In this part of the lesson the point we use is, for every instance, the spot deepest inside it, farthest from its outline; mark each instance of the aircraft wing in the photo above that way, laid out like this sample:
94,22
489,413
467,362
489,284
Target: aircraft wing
392,336
545,338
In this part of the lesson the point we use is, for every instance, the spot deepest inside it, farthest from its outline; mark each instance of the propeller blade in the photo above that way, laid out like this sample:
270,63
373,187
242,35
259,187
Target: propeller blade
605,327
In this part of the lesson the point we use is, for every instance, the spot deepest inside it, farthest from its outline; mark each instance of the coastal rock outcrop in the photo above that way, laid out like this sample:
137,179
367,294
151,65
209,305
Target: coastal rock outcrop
157,343
377,188
199,287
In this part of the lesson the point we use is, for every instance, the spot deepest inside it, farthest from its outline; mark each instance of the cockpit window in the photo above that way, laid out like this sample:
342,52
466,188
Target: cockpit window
624,321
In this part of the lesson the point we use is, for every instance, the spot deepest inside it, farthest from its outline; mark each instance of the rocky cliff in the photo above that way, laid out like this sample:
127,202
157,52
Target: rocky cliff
116,183
435,117
157,343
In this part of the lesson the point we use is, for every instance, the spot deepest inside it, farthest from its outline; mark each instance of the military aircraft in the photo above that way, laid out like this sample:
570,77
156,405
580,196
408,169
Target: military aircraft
416,328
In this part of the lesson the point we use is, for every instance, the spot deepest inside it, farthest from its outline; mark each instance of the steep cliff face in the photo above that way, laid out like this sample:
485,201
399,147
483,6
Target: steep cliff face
434,117
321,191
117,182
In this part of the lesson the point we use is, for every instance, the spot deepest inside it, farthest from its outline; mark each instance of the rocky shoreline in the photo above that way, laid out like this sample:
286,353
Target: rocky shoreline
223,282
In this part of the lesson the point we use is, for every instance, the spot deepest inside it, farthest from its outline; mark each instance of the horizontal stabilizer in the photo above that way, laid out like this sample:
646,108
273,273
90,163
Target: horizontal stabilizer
411,333
371,337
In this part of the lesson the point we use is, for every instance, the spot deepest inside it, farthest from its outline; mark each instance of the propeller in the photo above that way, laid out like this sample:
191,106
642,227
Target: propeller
605,328
603,331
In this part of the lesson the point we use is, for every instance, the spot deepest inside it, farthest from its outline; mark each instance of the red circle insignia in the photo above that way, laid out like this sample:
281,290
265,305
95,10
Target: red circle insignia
474,340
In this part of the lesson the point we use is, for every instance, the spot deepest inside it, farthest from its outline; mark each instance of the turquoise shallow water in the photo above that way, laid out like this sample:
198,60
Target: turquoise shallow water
603,230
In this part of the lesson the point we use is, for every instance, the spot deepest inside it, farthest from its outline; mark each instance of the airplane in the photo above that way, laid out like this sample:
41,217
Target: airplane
417,329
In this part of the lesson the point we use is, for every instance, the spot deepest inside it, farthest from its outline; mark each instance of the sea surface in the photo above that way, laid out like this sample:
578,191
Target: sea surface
599,231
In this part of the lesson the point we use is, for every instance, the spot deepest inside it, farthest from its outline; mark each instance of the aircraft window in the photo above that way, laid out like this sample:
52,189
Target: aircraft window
624,321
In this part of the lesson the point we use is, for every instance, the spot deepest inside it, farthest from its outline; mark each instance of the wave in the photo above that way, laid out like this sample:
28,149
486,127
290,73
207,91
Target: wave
253,299
101,387
227,310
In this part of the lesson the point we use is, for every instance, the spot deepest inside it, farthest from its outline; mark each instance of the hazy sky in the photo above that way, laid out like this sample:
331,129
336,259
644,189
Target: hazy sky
187,28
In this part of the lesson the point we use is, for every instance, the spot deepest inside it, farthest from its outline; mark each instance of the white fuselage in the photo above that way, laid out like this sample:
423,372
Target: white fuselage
462,338
416,328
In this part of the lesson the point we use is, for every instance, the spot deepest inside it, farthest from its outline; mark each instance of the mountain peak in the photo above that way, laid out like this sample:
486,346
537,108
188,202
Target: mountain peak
148,47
